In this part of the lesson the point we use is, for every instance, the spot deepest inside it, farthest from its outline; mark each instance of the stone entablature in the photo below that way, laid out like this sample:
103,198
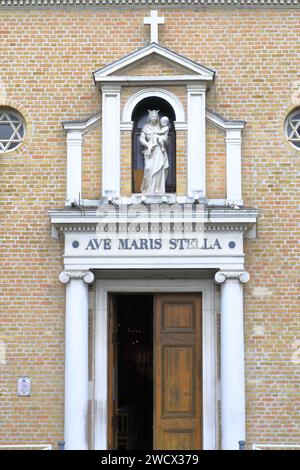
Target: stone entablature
117,3
104,237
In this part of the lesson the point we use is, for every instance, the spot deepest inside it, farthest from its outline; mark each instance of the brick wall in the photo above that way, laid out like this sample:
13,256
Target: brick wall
91,164
215,163
47,57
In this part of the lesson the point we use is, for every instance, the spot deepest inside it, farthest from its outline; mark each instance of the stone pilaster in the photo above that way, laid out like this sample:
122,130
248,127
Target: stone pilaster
232,358
76,358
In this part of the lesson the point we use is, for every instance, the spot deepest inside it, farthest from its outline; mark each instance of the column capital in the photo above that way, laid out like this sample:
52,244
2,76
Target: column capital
222,276
196,88
74,137
233,136
111,88
87,276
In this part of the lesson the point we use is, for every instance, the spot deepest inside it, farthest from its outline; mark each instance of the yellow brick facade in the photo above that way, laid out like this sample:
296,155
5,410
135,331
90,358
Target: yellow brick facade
48,57
215,163
92,172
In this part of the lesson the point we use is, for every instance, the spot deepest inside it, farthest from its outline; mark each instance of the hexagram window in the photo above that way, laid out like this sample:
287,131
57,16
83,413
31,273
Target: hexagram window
12,129
292,128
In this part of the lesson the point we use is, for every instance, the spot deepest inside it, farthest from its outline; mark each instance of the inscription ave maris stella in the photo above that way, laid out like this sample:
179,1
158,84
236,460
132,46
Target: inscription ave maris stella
153,244
151,234
81,245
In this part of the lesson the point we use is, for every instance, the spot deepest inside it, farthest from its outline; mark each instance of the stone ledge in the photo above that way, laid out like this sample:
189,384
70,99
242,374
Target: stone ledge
145,3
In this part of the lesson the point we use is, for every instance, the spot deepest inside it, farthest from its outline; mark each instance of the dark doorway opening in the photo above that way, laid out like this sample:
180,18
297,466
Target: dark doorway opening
134,371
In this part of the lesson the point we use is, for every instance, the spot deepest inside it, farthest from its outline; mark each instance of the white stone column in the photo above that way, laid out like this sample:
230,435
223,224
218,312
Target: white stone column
196,141
76,358
111,140
233,427
234,164
74,150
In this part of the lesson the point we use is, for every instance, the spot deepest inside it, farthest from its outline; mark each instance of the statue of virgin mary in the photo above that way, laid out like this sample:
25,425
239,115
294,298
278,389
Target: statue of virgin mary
154,137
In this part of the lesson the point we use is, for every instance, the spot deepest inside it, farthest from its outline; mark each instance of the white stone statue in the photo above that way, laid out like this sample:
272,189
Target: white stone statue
154,138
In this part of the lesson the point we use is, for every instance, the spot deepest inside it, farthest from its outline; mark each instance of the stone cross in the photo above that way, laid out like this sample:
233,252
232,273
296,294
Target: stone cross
154,21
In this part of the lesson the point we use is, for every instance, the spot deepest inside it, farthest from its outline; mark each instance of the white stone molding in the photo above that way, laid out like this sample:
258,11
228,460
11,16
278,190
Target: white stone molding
171,199
76,358
111,140
38,4
64,277
126,126
209,351
74,162
223,124
233,412
244,277
196,141
222,276
219,220
180,126
215,215
75,132
194,71
87,276
149,93
233,141
234,164
83,126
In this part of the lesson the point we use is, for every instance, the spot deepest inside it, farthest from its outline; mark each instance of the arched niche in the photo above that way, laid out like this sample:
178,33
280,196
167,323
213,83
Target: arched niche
172,99
139,117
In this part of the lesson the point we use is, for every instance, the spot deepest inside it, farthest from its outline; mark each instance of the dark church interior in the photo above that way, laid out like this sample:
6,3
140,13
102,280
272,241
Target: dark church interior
135,372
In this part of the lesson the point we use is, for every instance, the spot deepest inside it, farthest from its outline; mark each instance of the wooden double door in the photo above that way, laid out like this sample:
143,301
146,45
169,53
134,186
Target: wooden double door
176,388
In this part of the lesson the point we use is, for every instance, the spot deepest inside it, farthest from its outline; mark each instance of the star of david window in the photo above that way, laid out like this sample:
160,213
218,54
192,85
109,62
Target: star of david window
293,128
11,130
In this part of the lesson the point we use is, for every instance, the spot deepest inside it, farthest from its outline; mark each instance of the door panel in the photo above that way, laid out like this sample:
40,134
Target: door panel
177,386
176,440
178,378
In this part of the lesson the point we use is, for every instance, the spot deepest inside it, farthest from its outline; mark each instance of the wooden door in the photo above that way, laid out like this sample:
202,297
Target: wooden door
113,373
178,378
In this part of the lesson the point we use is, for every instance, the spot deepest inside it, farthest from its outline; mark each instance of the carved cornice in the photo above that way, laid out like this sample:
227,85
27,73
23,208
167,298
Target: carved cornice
66,276
222,276
82,127
121,227
145,3
223,124
213,220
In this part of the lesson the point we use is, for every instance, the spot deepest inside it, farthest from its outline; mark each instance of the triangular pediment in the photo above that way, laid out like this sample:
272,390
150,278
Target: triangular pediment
154,62
153,65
